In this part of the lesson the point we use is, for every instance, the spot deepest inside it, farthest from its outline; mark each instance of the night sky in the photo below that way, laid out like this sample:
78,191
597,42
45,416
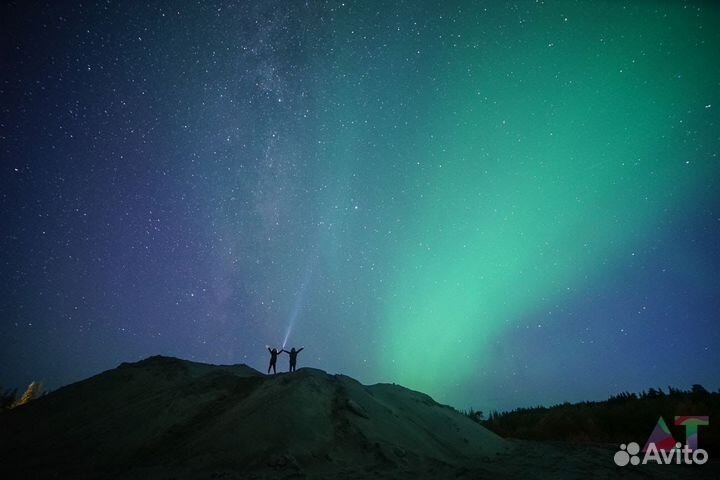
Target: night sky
500,204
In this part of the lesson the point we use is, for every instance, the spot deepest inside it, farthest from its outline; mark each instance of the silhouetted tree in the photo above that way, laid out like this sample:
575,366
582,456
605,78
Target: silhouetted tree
7,398
623,415
674,391
698,389
474,415
33,391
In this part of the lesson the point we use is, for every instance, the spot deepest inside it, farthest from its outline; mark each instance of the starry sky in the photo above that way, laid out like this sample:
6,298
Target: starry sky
501,204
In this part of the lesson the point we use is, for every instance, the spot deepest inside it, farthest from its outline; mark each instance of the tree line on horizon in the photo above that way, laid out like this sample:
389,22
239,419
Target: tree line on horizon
622,418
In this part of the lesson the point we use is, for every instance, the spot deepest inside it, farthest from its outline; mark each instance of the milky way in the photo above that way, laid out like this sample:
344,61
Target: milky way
500,204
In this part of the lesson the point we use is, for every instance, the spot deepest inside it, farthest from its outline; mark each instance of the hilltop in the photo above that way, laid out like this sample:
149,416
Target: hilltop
166,418
170,418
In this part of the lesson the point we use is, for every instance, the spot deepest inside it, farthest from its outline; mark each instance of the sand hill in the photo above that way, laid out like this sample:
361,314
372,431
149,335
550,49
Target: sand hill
168,418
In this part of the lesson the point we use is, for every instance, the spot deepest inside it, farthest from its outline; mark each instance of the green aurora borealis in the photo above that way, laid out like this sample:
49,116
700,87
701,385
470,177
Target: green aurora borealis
543,151
498,203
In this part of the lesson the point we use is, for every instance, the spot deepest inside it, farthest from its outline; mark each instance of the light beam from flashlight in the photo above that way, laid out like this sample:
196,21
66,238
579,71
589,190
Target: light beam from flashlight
297,306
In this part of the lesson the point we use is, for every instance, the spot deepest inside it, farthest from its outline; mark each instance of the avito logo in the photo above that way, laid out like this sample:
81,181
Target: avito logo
661,447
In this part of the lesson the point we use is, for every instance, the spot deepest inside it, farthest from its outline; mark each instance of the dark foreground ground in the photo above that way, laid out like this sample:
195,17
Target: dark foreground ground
165,418
525,460
528,460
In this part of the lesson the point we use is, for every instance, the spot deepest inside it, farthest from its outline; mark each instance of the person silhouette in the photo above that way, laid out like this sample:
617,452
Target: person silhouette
293,357
273,359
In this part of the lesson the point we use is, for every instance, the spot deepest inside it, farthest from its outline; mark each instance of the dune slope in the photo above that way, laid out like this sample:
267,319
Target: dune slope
169,417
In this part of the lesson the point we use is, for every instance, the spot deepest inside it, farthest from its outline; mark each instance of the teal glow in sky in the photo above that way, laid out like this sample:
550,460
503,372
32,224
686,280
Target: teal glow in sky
534,151
498,204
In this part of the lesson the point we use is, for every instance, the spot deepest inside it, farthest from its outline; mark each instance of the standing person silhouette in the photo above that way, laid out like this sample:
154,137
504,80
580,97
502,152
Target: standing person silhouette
273,359
293,357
